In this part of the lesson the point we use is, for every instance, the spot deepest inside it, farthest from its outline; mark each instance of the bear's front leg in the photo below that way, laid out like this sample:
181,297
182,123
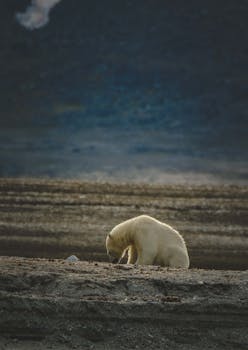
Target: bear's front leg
132,255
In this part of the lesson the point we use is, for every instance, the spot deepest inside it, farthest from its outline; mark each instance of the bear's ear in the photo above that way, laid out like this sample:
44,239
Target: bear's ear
109,235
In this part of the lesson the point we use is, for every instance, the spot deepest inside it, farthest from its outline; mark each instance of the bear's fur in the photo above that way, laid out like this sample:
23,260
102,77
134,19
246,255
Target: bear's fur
147,242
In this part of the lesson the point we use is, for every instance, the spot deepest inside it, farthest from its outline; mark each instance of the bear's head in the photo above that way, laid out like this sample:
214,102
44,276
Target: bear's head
114,251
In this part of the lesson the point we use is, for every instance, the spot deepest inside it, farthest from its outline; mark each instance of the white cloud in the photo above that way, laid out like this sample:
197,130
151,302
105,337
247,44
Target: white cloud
37,14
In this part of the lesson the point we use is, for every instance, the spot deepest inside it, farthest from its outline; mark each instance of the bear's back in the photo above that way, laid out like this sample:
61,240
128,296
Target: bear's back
145,224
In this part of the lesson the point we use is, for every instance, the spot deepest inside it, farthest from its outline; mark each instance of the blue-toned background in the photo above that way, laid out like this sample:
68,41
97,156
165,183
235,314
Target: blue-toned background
148,90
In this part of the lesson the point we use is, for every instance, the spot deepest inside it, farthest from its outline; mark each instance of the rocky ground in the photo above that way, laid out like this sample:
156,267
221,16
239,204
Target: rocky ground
49,303
56,304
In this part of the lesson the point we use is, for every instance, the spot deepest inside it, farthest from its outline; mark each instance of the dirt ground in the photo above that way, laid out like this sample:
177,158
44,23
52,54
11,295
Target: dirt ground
49,303
55,304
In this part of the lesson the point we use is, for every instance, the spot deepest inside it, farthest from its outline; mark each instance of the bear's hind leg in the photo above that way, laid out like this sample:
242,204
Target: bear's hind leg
145,258
179,259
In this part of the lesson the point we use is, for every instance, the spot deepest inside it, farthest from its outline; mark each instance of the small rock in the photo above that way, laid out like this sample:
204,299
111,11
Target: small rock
72,258
170,299
123,267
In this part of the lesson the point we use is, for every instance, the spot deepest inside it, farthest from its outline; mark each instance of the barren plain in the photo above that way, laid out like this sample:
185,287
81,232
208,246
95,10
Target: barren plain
49,303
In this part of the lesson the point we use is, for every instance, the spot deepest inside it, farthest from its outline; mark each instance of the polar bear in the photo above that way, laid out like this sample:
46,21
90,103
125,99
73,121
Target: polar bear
147,242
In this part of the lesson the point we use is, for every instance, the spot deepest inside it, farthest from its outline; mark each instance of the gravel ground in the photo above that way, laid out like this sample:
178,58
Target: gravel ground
60,305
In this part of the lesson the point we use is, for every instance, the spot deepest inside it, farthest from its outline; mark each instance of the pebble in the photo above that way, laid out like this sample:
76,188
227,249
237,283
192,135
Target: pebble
72,258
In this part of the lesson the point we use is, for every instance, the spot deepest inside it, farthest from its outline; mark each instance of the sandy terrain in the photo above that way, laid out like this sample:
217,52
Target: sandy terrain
49,303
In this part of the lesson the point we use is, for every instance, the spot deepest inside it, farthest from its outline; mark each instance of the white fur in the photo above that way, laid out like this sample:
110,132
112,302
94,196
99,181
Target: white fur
148,242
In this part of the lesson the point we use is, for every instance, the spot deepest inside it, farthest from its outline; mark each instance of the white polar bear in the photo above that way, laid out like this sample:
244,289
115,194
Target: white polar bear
148,242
